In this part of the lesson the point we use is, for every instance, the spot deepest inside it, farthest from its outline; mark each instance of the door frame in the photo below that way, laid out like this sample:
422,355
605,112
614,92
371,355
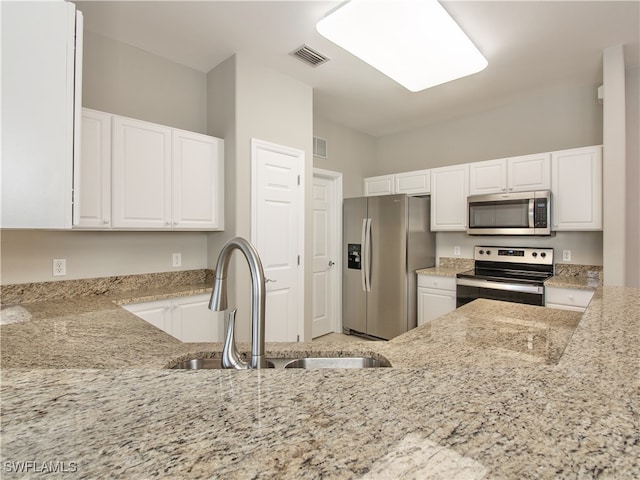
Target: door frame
256,145
336,178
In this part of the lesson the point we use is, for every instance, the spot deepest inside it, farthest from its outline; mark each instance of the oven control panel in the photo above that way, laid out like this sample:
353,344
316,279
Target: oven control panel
539,256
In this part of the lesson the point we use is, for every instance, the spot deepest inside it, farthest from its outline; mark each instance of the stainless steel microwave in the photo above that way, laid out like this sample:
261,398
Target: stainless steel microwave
519,213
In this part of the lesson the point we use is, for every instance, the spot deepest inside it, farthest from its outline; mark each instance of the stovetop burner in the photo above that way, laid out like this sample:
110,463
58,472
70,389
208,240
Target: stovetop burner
519,264
502,273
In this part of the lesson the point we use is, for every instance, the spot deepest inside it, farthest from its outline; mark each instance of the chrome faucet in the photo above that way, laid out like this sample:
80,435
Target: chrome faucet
230,356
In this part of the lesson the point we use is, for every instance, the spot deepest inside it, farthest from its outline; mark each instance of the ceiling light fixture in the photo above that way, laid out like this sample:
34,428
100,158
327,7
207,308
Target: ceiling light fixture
414,42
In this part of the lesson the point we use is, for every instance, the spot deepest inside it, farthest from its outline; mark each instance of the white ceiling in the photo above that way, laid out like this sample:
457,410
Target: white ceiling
530,46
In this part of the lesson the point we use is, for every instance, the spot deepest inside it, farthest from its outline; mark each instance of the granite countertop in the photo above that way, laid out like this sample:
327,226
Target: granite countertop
581,282
441,271
492,390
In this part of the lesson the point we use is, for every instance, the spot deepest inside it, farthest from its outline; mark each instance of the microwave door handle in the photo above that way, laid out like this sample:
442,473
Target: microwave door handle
531,219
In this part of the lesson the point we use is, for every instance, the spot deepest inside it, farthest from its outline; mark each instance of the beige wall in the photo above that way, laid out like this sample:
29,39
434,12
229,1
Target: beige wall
548,120
124,80
349,152
554,119
27,254
586,247
267,106
118,78
632,255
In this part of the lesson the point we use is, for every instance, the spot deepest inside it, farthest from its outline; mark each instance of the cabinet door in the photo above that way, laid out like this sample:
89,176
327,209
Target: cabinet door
156,313
577,189
529,173
192,321
449,190
568,298
92,202
198,180
488,177
141,175
39,99
413,183
381,185
434,303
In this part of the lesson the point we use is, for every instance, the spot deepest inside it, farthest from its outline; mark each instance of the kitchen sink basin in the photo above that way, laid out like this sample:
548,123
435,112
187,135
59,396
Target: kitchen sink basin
340,362
307,363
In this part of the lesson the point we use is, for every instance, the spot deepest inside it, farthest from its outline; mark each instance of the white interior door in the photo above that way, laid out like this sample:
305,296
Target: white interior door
277,233
326,252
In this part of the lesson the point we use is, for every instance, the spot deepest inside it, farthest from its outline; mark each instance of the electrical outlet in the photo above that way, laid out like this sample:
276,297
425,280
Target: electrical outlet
177,259
456,251
566,255
59,267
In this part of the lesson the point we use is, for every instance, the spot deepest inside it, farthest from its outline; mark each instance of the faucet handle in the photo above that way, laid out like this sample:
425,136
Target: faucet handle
230,355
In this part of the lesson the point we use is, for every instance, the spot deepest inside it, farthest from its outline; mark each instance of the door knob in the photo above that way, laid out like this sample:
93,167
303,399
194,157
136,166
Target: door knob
331,263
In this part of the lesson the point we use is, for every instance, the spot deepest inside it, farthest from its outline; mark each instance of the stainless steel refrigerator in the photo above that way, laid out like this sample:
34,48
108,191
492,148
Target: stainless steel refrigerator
385,240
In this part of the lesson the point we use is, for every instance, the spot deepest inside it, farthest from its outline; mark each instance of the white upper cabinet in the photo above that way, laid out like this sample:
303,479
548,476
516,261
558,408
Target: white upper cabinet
516,174
577,189
380,185
41,89
137,175
141,175
92,202
198,179
413,183
449,191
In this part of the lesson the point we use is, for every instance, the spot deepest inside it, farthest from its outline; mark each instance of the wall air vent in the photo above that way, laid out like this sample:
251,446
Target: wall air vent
320,147
310,56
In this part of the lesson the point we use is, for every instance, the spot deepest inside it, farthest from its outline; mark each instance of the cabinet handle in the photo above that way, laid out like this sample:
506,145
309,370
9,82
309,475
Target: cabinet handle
106,221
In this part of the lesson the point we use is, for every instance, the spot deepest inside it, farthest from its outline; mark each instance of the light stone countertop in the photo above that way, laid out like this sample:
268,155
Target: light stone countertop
441,271
492,390
580,282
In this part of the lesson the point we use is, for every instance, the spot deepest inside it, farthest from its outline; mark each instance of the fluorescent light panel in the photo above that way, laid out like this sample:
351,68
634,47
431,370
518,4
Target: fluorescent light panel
414,42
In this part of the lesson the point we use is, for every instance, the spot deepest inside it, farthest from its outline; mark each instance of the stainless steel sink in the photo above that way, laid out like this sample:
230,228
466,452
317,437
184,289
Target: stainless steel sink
304,363
340,362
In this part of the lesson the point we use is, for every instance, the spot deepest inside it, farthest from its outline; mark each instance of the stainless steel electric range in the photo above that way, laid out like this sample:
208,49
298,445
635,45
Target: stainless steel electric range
508,274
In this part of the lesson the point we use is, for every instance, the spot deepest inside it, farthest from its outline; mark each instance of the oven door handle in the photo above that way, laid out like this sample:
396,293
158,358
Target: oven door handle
467,282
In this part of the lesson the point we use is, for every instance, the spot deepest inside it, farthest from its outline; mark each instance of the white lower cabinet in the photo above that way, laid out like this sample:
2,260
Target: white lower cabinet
436,297
567,298
186,318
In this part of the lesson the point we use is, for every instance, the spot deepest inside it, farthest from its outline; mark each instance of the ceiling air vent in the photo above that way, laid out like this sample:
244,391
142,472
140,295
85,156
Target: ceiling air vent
319,147
310,56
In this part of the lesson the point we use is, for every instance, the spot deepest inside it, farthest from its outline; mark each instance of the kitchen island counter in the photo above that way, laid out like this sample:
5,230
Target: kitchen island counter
491,390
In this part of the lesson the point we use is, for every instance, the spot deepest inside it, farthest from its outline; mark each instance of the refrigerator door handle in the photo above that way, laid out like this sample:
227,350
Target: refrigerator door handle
363,269
367,256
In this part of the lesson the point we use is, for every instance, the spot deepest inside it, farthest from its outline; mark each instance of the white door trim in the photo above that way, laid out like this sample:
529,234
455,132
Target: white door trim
337,242
256,145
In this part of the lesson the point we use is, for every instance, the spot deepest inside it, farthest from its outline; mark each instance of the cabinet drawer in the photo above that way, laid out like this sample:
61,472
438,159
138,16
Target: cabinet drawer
440,283
571,297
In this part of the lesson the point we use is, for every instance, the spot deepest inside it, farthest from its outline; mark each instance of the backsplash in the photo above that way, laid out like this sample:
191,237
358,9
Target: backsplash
42,291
